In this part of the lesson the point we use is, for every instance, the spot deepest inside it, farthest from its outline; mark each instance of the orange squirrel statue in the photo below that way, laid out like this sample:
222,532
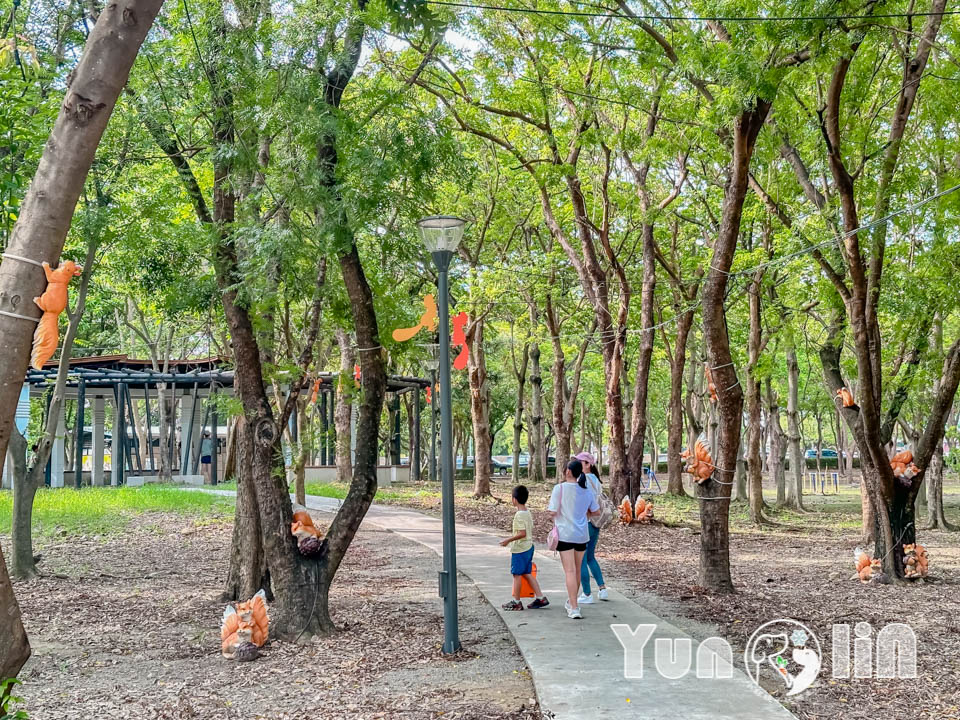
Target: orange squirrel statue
710,386
846,397
52,302
310,541
700,464
245,627
626,510
903,466
643,511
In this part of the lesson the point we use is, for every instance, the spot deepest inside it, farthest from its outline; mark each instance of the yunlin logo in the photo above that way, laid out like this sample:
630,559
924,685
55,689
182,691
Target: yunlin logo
784,650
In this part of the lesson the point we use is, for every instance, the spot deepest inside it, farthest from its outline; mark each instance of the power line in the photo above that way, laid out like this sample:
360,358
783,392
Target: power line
689,18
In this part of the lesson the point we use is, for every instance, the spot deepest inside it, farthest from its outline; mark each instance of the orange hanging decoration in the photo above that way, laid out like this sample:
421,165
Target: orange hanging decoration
52,303
428,321
710,386
316,391
429,391
357,375
460,338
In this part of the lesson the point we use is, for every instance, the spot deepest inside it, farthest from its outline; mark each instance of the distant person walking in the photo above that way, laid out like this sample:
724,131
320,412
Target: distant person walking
207,449
570,505
590,564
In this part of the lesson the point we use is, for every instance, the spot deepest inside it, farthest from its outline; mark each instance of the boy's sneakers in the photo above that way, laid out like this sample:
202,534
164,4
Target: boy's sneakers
603,595
584,599
574,613
538,603
513,605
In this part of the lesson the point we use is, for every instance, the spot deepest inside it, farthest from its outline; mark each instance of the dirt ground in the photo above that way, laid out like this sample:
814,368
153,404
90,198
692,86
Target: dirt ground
128,627
800,569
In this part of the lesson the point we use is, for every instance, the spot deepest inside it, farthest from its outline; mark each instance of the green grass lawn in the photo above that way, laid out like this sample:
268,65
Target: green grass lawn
103,510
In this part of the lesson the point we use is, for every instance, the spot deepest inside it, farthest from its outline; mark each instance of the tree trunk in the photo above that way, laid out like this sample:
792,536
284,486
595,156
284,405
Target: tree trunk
300,461
45,217
934,480
715,494
22,566
521,375
754,419
537,468
675,425
344,408
247,571
479,409
638,420
795,452
230,461
777,445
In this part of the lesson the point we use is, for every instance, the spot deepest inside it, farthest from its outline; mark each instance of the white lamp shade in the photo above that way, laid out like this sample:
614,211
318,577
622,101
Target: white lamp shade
433,356
441,232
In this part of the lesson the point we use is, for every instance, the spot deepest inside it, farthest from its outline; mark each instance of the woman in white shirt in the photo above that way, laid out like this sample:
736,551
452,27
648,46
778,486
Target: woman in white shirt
571,503
590,564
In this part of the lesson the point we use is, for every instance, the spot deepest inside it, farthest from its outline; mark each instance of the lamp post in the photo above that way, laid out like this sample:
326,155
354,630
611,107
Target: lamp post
432,363
441,235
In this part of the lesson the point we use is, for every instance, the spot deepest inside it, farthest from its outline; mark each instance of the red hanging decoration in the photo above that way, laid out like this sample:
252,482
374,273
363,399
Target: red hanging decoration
460,338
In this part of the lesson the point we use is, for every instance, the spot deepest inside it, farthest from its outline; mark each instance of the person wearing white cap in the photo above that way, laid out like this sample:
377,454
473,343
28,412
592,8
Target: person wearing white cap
590,564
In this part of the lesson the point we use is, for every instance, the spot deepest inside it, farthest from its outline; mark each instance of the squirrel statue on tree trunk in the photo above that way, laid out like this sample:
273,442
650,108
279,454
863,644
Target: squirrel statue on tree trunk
52,302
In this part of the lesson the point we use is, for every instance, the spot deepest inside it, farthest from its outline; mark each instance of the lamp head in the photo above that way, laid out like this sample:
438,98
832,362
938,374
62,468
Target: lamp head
441,233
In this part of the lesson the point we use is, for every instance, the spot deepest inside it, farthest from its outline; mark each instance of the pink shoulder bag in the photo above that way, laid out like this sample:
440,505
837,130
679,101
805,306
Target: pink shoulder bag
553,537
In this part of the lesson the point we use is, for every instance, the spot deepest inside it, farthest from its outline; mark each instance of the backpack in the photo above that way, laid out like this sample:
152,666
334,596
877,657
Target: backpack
607,511
553,537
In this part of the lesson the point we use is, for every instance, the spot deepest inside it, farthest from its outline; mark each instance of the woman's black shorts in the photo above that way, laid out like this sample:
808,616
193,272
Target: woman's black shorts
564,545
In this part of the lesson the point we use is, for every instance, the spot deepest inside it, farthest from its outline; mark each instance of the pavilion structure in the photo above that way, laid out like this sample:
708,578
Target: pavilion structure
118,383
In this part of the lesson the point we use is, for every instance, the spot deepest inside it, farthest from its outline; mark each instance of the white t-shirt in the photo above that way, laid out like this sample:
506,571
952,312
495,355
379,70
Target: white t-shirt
571,519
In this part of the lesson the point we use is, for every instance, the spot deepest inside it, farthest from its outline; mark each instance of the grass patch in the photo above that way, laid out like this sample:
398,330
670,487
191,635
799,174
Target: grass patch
103,510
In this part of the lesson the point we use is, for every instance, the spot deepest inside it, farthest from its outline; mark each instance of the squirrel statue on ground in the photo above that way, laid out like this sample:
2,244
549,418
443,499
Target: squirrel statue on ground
52,303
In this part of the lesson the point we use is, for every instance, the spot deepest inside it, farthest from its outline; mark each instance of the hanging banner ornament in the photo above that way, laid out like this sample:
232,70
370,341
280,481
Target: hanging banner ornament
429,390
356,375
428,321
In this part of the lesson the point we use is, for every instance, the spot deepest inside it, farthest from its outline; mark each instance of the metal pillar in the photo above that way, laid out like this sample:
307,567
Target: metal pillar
215,432
433,426
395,430
116,446
448,576
78,463
415,440
146,412
134,438
96,467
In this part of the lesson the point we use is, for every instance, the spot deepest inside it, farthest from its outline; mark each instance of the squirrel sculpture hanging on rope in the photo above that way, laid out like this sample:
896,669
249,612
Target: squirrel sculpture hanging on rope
52,302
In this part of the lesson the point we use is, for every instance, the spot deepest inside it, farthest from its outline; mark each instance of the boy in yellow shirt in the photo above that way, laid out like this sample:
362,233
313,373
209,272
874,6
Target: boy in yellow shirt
521,553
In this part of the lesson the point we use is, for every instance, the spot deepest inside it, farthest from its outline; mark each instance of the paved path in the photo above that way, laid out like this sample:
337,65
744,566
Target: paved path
578,665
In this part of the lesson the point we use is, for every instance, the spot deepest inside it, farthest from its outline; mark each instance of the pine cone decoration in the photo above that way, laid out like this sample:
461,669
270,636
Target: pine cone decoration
312,547
246,652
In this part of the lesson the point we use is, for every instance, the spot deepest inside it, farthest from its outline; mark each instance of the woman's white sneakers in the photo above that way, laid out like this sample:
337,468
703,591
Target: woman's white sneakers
603,594
572,612
584,599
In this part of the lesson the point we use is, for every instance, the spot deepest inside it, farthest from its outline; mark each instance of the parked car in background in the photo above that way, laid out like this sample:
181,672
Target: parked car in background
827,453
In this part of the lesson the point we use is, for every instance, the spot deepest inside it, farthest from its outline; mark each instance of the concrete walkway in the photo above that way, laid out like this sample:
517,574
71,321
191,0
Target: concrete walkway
578,665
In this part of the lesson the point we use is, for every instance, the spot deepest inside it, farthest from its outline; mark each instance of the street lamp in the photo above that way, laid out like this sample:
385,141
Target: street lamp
432,363
441,235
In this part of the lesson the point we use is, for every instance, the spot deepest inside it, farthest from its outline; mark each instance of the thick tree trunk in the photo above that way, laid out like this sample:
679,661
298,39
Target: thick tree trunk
715,494
344,408
247,571
742,492
45,217
479,409
230,459
300,461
